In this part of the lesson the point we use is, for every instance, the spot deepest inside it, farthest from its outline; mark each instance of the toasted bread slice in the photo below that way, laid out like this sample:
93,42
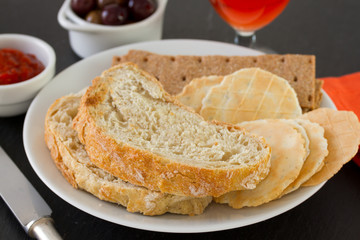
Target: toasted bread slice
138,132
73,162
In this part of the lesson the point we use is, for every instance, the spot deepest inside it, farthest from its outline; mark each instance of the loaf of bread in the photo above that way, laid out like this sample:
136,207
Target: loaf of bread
73,162
135,130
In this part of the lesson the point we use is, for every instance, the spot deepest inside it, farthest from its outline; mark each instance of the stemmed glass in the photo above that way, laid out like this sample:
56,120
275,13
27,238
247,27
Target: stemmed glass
248,16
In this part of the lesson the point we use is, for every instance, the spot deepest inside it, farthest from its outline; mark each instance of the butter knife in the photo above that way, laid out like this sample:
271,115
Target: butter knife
25,202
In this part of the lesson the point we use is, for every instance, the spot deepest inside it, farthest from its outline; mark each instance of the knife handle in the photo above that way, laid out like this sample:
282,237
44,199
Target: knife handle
43,229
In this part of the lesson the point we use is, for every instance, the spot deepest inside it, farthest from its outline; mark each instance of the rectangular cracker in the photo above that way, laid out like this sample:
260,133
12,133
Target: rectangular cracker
318,96
174,72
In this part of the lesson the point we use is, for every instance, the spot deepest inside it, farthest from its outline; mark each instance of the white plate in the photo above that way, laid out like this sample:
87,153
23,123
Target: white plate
216,217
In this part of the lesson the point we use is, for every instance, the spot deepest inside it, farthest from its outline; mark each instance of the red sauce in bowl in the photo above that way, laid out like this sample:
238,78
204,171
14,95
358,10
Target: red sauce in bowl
16,66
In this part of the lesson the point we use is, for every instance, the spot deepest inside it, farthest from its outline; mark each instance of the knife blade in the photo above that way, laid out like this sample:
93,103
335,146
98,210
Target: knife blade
27,205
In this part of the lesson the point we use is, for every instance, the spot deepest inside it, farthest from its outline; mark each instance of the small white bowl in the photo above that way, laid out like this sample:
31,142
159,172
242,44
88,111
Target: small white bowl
88,38
15,98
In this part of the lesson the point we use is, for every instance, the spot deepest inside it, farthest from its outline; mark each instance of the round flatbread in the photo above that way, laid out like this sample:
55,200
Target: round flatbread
287,157
318,151
303,133
342,131
193,93
250,94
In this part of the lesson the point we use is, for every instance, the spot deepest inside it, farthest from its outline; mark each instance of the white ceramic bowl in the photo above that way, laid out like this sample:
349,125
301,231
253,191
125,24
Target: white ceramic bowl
15,98
89,38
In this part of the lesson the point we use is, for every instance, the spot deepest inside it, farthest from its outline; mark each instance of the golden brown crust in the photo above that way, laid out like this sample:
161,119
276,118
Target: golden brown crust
82,176
174,72
146,169
51,143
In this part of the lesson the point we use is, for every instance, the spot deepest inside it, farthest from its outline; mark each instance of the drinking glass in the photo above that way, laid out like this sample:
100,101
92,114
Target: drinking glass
248,16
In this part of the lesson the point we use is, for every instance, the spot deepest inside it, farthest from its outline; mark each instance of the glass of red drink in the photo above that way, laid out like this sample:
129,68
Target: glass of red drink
248,16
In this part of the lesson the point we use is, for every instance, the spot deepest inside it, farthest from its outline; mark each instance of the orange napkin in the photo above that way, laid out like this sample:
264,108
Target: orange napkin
345,93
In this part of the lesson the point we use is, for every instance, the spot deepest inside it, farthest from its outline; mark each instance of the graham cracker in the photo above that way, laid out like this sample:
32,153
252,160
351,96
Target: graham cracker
318,94
174,72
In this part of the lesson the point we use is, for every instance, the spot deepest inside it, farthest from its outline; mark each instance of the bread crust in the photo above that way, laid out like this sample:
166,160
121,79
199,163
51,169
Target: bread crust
144,168
134,198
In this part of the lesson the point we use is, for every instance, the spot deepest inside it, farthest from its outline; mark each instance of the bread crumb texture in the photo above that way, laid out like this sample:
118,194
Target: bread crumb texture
73,162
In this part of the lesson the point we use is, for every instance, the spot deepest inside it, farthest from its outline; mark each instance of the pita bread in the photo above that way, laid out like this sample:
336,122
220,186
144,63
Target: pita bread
250,94
342,131
287,157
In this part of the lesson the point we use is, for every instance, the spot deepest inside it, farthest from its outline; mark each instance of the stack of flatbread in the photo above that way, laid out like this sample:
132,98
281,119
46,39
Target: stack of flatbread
225,117
306,149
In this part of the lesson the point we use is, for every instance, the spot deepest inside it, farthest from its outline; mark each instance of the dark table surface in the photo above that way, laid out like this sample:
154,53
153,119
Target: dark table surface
328,29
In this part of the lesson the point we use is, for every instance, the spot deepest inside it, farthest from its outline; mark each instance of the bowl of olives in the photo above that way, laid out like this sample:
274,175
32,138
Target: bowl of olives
97,25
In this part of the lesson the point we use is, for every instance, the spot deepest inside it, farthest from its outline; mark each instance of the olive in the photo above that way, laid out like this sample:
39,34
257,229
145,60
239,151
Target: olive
122,2
82,7
94,17
114,14
141,9
102,3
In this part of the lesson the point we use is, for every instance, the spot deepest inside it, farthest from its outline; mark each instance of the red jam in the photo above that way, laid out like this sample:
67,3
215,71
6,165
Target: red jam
16,66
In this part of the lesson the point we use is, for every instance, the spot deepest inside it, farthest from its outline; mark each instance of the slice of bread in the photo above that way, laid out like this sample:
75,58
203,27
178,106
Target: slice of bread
138,132
73,162
174,72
